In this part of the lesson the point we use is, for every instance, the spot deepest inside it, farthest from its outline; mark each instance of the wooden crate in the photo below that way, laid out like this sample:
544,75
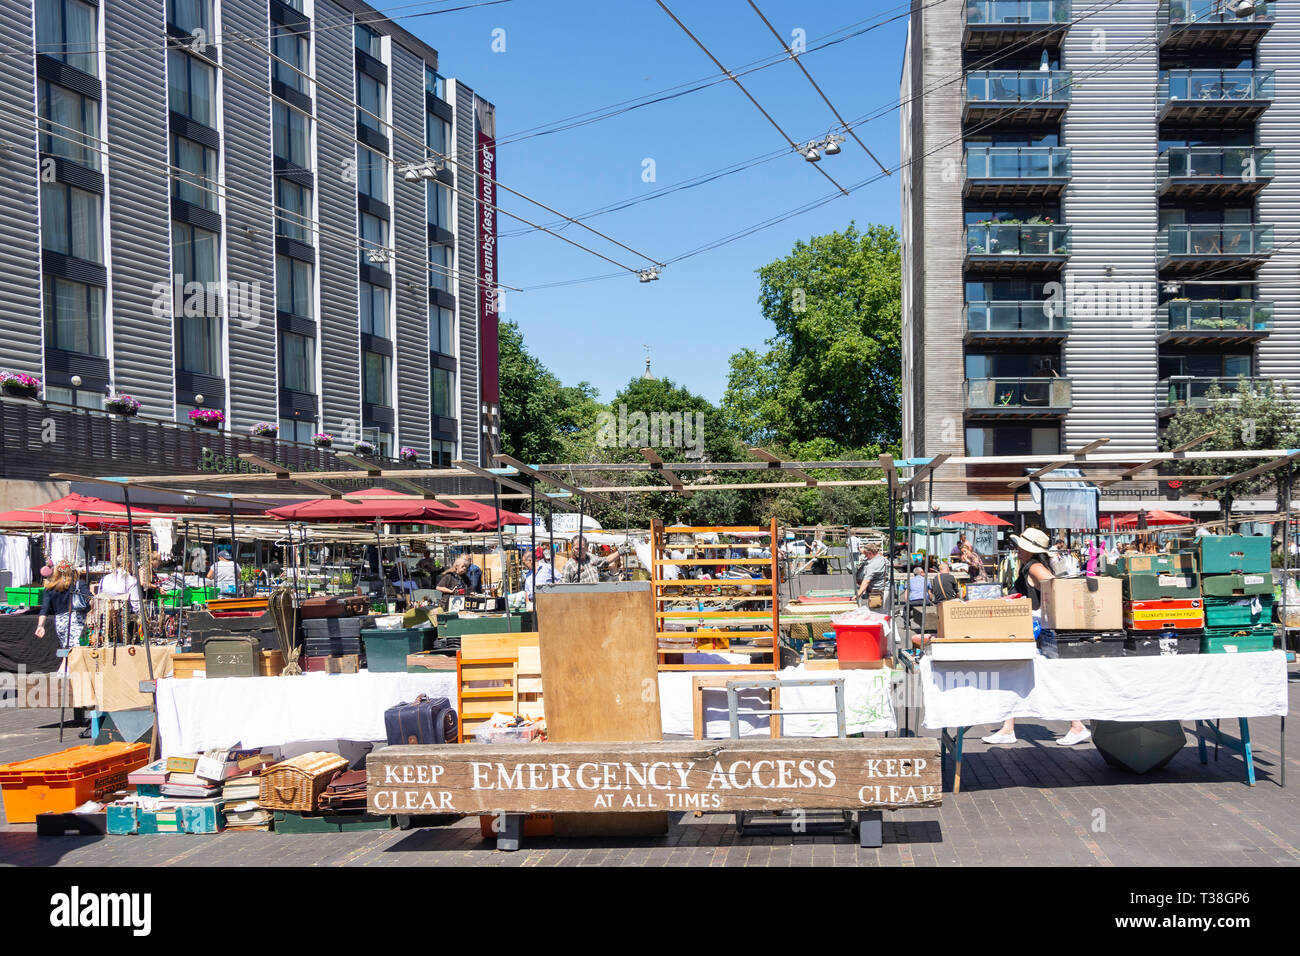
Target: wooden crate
184,666
487,671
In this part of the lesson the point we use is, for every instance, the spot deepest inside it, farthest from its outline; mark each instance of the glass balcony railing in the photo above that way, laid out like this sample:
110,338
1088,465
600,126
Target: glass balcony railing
1214,239
1017,11
1213,86
1195,392
1018,393
1043,315
1017,239
1246,164
1018,162
1012,87
1181,13
1216,315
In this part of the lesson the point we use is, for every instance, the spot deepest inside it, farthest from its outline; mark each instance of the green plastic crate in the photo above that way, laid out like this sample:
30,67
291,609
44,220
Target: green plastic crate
23,597
1237,612
1236,585
387,649
1245,640
1161,586
460,626
1178,563
1235,554
190,597
286,821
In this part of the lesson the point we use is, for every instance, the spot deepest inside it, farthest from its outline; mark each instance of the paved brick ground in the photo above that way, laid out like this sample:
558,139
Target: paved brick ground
1031,804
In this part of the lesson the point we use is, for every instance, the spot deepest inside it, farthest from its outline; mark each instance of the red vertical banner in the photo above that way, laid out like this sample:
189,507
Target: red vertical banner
489,379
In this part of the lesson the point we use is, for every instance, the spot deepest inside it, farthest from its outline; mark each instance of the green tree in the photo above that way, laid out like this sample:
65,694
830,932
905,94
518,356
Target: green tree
833,368
539,416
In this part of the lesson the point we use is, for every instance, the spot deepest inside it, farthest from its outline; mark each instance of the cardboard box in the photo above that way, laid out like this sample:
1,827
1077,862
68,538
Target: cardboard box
1084,604
1177,563
1003,619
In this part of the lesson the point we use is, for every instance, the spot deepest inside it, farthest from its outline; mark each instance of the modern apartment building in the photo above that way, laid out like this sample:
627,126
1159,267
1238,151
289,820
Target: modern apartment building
268,209
1101,217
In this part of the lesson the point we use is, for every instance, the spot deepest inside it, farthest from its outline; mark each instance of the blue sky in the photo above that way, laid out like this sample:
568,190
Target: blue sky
564,57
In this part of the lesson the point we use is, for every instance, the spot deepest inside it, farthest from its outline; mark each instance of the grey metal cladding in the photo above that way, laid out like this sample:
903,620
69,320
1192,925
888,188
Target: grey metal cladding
467,265
411,365
250,220
20,285
139,213
1279,202
340,336
1112,208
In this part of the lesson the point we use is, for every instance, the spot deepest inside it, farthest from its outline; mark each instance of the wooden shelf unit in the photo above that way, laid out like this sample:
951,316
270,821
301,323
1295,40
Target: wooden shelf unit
722,624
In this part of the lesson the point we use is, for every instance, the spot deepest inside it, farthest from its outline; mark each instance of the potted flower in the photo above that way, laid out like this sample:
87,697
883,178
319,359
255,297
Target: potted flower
364,448
122,405
207,417
409,454
322,439
19,384
263,430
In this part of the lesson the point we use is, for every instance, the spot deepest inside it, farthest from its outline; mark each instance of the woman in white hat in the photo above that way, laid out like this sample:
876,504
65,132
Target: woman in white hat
1033,546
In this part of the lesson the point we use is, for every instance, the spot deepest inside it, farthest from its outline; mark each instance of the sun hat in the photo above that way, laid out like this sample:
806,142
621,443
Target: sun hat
1034,540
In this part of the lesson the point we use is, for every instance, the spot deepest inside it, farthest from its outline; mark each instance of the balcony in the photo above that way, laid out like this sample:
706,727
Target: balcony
1016,97
1036,321
1215,321
1018,397
1178,392
1213,172
1010,249
991,25
1207,26
1187,249
1214,96
1016,173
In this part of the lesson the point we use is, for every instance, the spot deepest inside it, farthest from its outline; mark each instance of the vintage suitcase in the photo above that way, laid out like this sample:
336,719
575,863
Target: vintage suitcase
1162,643
428,720
336,627
318,607
1236,585
1235,553
347,791
1169,615
297,783
325,646
232,656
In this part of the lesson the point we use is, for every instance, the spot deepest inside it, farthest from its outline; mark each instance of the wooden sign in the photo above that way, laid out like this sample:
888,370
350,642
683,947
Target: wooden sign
713,775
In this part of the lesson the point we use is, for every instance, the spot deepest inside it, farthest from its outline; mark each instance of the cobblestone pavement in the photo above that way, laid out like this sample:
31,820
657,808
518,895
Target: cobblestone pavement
1033,803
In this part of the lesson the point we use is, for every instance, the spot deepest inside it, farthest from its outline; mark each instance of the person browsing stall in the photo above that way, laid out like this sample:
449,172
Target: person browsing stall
581,567
453,580
224,574
873,575
540,573
1035,572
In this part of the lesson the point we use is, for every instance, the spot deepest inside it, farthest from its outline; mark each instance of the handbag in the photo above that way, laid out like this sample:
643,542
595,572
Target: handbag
80,602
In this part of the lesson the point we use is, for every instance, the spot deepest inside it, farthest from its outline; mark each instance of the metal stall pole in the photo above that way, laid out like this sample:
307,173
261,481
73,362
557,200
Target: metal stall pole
67,652
234,545
889,565
532,540
379,552
501,546
144,630
182,608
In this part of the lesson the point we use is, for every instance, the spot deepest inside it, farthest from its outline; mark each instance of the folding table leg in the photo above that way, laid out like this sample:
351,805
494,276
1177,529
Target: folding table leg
1200,741
512,831
1246,755
871,829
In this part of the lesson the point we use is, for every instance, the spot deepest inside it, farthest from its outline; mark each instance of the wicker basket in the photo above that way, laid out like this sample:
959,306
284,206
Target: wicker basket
297,783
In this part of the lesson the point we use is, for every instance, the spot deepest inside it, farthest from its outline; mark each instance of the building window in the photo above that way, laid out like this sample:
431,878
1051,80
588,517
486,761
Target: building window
189,16
293,211
372,102
376,374
440,208
194,253
66,30
71,222
74,317
437,134
294,292
69,125
374,310
442,396
291,135
372,174
191,88
374,236
183,413
80,397
442,264
198,347
291,48
296,429
1013,440
370,42
440,321
435,84
194,178
442,453
297,362
381,439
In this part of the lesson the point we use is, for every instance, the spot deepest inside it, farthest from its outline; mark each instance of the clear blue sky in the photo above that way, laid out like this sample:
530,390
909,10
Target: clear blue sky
565,57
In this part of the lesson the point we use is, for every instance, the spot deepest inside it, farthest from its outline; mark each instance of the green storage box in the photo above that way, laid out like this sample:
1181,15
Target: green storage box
387,649
459,626
286,821
1238,612
1178,563
1237,640
1236,585
1235,554
1160,586
189,597
230,655
23,597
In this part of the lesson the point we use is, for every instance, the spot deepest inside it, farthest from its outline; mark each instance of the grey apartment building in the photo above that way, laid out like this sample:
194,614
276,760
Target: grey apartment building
267,208
1099,217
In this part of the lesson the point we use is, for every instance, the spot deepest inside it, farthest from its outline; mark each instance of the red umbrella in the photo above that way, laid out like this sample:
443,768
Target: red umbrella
93,514
375,504
481,517
1155,518
976,517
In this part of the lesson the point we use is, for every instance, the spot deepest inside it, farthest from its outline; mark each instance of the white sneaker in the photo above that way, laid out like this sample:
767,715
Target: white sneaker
999,739
1074,737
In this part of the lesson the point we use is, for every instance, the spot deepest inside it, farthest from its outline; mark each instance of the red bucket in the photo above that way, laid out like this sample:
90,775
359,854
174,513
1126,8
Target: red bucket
859,642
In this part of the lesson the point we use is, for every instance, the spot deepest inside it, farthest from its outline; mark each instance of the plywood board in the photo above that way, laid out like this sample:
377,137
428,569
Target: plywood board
495,645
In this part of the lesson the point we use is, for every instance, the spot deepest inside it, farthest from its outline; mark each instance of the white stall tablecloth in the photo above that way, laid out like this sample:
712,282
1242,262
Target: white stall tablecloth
1172,687
197,714
868,704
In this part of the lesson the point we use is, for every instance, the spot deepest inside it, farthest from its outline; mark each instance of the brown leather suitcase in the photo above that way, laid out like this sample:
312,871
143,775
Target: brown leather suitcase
318,607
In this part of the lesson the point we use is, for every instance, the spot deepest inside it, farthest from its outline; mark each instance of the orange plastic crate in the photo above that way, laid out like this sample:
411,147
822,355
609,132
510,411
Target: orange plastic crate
60,782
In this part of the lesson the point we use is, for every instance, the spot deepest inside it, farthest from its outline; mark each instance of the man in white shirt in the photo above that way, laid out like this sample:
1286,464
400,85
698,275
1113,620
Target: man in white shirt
224,574
540,572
